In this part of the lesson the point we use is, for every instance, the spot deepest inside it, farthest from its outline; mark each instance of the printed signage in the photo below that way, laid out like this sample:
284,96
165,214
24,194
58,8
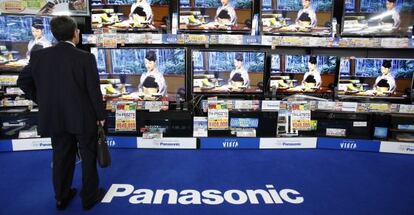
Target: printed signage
349,144
397,147
218,115
244,122
288,143
31,144
167,143
229,143
200,125
43,7
125,116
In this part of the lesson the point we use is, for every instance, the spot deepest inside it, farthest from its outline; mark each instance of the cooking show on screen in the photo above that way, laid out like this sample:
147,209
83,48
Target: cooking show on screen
143,74
378,17
302,73
297,16
131,15
228,15
375,77
227,72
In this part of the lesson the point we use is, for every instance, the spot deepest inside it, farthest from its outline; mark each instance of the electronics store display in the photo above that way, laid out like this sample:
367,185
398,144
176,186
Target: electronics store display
236,69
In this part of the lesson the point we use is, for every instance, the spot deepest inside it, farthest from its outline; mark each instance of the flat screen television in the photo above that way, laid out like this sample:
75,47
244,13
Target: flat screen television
19,36
131,15
228,72
142,73
215,15
378,18
306,17
312,75
375,78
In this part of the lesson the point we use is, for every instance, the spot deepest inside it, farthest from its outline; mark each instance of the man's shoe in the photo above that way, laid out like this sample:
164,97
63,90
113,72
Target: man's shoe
63,204
99,197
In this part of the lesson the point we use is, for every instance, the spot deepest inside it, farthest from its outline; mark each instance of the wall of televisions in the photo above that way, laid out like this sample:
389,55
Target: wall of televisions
210,68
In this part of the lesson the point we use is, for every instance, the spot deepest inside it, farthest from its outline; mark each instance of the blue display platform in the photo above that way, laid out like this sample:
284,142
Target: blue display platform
222,182
227,143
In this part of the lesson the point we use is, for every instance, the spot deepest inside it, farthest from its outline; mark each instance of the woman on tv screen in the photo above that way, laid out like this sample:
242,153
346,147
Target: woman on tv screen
306,16
156,82
226,13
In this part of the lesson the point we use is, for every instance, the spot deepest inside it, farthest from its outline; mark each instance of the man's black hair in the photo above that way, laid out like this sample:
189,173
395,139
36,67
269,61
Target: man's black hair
63,28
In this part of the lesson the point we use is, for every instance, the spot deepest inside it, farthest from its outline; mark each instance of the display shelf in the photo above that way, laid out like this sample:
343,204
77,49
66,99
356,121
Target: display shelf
246,40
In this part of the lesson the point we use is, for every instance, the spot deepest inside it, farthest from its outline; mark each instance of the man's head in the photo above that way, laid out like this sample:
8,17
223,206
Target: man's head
312,63
37,28
386,67
150,86
64,28
150,58
238,60
224,2
390,4
306,3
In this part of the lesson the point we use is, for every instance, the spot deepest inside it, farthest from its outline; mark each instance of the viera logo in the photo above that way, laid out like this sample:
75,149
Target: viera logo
348,145
230,144
110,142
269,195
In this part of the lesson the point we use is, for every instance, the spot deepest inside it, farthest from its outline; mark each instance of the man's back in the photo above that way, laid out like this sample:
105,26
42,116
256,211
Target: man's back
67,89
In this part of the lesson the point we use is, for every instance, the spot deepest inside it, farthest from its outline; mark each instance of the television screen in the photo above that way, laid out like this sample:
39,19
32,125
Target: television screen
302,74
215,15
131,15
372,77
228,71
19,35
143,74
310,17
378,18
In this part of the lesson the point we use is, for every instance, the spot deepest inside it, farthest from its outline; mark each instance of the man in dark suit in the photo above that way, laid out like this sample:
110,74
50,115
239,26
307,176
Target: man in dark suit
64,83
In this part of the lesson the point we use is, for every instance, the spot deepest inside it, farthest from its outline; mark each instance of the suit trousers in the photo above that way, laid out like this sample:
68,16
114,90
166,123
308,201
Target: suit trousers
65,146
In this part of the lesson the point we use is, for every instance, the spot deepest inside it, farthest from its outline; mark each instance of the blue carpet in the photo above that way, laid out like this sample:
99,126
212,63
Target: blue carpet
331,182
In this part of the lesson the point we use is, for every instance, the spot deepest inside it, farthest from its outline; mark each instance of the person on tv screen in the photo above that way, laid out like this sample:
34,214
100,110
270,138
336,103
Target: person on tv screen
385,82
152,73
239,78
306,16
393,16
141,10
39,40
312,78
226,13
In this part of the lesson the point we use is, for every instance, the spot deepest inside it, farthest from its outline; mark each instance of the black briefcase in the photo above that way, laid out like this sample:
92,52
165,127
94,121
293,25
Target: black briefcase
103,155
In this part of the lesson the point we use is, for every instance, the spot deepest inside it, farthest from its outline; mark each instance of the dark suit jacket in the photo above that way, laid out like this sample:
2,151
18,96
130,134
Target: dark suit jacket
64,82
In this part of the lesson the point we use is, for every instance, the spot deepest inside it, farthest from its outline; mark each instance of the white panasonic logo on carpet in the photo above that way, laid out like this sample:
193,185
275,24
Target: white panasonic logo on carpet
209,197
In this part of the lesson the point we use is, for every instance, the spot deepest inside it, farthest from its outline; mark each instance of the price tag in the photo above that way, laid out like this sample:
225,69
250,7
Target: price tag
270,105
153,106
243,104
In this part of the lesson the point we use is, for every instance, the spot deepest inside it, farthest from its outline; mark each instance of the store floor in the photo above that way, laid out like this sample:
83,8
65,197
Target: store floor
330,182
